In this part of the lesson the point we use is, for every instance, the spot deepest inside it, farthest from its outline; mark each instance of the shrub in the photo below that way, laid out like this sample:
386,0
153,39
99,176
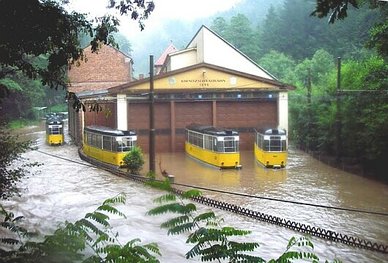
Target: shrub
134,160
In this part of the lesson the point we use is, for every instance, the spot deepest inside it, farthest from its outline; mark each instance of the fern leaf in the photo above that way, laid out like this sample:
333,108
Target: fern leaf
194,251
291,242
190,207
243,246
206,235
181,228
98,217
165,198
249,259
89,225
154,248
196,235
214,252
191,194
175,221
118,199
231,231
205,216
173,208
110,209
101,238
133,241
290,255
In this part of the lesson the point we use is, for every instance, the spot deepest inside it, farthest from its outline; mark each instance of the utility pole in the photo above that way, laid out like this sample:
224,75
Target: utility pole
338,115
308,86
152,120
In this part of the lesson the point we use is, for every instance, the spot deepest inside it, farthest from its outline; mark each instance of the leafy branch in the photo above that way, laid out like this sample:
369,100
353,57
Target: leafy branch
89,239
213,241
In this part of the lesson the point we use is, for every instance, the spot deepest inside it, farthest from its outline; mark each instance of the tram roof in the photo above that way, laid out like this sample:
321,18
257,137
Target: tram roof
272,131
54,119
212,130
108,131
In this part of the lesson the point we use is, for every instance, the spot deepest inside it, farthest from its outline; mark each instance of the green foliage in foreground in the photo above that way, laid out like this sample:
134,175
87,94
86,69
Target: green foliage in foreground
91,239
87,240
11,149
211,240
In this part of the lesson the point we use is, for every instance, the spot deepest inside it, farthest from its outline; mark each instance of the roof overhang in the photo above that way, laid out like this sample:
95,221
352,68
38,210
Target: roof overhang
140,86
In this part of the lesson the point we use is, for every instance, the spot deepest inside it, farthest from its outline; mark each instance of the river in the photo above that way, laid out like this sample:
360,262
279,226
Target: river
61,190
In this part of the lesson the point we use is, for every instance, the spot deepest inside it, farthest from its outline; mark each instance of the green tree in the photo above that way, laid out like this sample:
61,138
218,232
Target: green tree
37,40
365,105
241,35
280,65
34,28
11,149
123,43
220,26
338,10
270,36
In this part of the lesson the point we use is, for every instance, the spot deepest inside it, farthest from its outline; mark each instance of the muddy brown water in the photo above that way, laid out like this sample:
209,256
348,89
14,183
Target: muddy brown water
63,190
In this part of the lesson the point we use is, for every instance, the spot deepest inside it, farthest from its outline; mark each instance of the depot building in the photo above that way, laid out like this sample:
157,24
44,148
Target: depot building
209,82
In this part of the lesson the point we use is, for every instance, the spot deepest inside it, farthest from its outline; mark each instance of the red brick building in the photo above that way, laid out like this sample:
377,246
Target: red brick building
98,71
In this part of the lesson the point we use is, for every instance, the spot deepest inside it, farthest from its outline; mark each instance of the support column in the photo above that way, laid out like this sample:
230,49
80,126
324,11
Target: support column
122,112
172,125
214,112
82,126
283,110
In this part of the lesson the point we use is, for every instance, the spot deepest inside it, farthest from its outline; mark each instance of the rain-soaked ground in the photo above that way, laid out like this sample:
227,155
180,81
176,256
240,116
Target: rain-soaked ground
63,190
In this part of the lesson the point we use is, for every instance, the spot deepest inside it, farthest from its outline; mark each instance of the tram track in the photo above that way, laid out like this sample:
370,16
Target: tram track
296,226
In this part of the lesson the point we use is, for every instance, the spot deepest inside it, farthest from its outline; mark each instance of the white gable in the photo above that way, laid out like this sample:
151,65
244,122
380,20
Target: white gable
213,49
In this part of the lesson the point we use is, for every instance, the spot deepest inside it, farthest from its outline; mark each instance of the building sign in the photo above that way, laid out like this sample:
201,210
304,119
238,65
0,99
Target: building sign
203,82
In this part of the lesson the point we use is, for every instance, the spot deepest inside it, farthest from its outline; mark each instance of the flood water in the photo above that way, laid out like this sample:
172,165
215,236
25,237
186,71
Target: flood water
62,190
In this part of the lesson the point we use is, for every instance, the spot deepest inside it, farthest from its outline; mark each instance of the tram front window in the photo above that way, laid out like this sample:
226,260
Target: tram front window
55,130
124,144
230,145
275,145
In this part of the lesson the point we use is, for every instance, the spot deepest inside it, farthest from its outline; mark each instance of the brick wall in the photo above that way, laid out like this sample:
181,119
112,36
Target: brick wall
243,115
106,68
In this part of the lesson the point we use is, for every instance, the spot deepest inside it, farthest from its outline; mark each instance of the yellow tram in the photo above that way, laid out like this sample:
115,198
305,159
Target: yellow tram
214,146
108,145
54,130
271,147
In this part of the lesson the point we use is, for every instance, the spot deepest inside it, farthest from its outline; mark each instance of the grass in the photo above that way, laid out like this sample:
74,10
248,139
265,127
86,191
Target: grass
20,123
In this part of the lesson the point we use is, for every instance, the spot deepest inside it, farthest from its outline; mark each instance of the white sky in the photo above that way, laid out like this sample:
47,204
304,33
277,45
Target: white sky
164,9
183,10
186,10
